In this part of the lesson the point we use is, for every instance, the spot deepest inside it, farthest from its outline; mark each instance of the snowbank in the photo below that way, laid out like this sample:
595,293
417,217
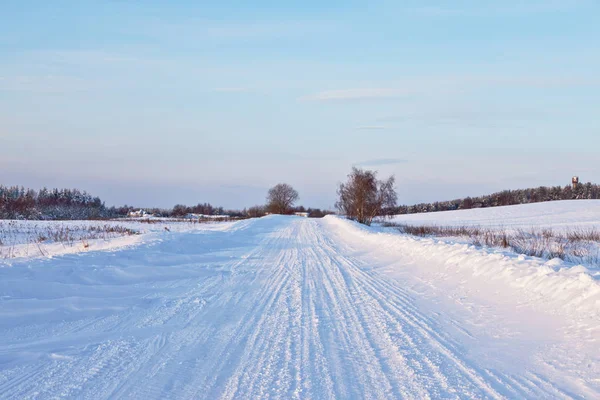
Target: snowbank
552,285
21,239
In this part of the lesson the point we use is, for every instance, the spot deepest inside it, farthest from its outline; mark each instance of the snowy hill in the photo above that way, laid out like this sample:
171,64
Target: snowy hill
554,214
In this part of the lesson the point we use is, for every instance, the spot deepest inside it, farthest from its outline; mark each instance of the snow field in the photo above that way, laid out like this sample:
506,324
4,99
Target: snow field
566,214
26,239
287,307
569,230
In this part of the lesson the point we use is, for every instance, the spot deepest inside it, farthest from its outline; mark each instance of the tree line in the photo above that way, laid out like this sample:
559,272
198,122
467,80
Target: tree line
16,202
281,199
362,198
507,198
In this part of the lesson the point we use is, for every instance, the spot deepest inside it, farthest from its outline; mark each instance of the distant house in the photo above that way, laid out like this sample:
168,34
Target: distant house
138,214
301,214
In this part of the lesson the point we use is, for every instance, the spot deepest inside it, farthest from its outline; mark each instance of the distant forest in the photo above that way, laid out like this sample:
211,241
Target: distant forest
69,204
507,198
16,202
20,203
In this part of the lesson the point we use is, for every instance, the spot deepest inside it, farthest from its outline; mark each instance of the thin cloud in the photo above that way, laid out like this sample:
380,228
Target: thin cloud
356,94
382,161
230,89
474,116
370,127
231,29
433,86
45,84
505,9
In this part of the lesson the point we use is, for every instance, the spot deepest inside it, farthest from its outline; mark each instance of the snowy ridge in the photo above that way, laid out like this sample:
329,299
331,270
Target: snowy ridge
556,285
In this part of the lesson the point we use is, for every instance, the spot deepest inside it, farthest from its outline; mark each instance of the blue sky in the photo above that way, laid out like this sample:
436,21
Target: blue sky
153,103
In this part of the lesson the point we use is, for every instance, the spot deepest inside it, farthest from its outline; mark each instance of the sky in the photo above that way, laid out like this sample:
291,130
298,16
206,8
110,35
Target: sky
154,103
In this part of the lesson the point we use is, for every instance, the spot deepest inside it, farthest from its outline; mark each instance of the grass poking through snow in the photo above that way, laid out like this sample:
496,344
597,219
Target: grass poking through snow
578,245
25,239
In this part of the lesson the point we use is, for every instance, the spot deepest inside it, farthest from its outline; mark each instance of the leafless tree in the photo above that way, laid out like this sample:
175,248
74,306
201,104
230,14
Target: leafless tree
281,198
364,197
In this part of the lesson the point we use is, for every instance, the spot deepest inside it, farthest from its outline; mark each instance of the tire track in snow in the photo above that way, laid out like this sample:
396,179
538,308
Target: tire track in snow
403,362
395,303
284,312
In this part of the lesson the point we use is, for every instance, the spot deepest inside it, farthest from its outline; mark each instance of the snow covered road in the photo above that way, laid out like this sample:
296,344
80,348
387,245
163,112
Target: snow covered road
278,307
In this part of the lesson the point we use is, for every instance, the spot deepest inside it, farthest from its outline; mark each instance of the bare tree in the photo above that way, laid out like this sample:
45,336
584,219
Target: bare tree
281,198
363,197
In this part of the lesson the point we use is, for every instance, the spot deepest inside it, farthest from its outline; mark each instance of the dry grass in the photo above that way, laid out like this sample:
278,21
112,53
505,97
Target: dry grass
17,238
151,221
579,245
